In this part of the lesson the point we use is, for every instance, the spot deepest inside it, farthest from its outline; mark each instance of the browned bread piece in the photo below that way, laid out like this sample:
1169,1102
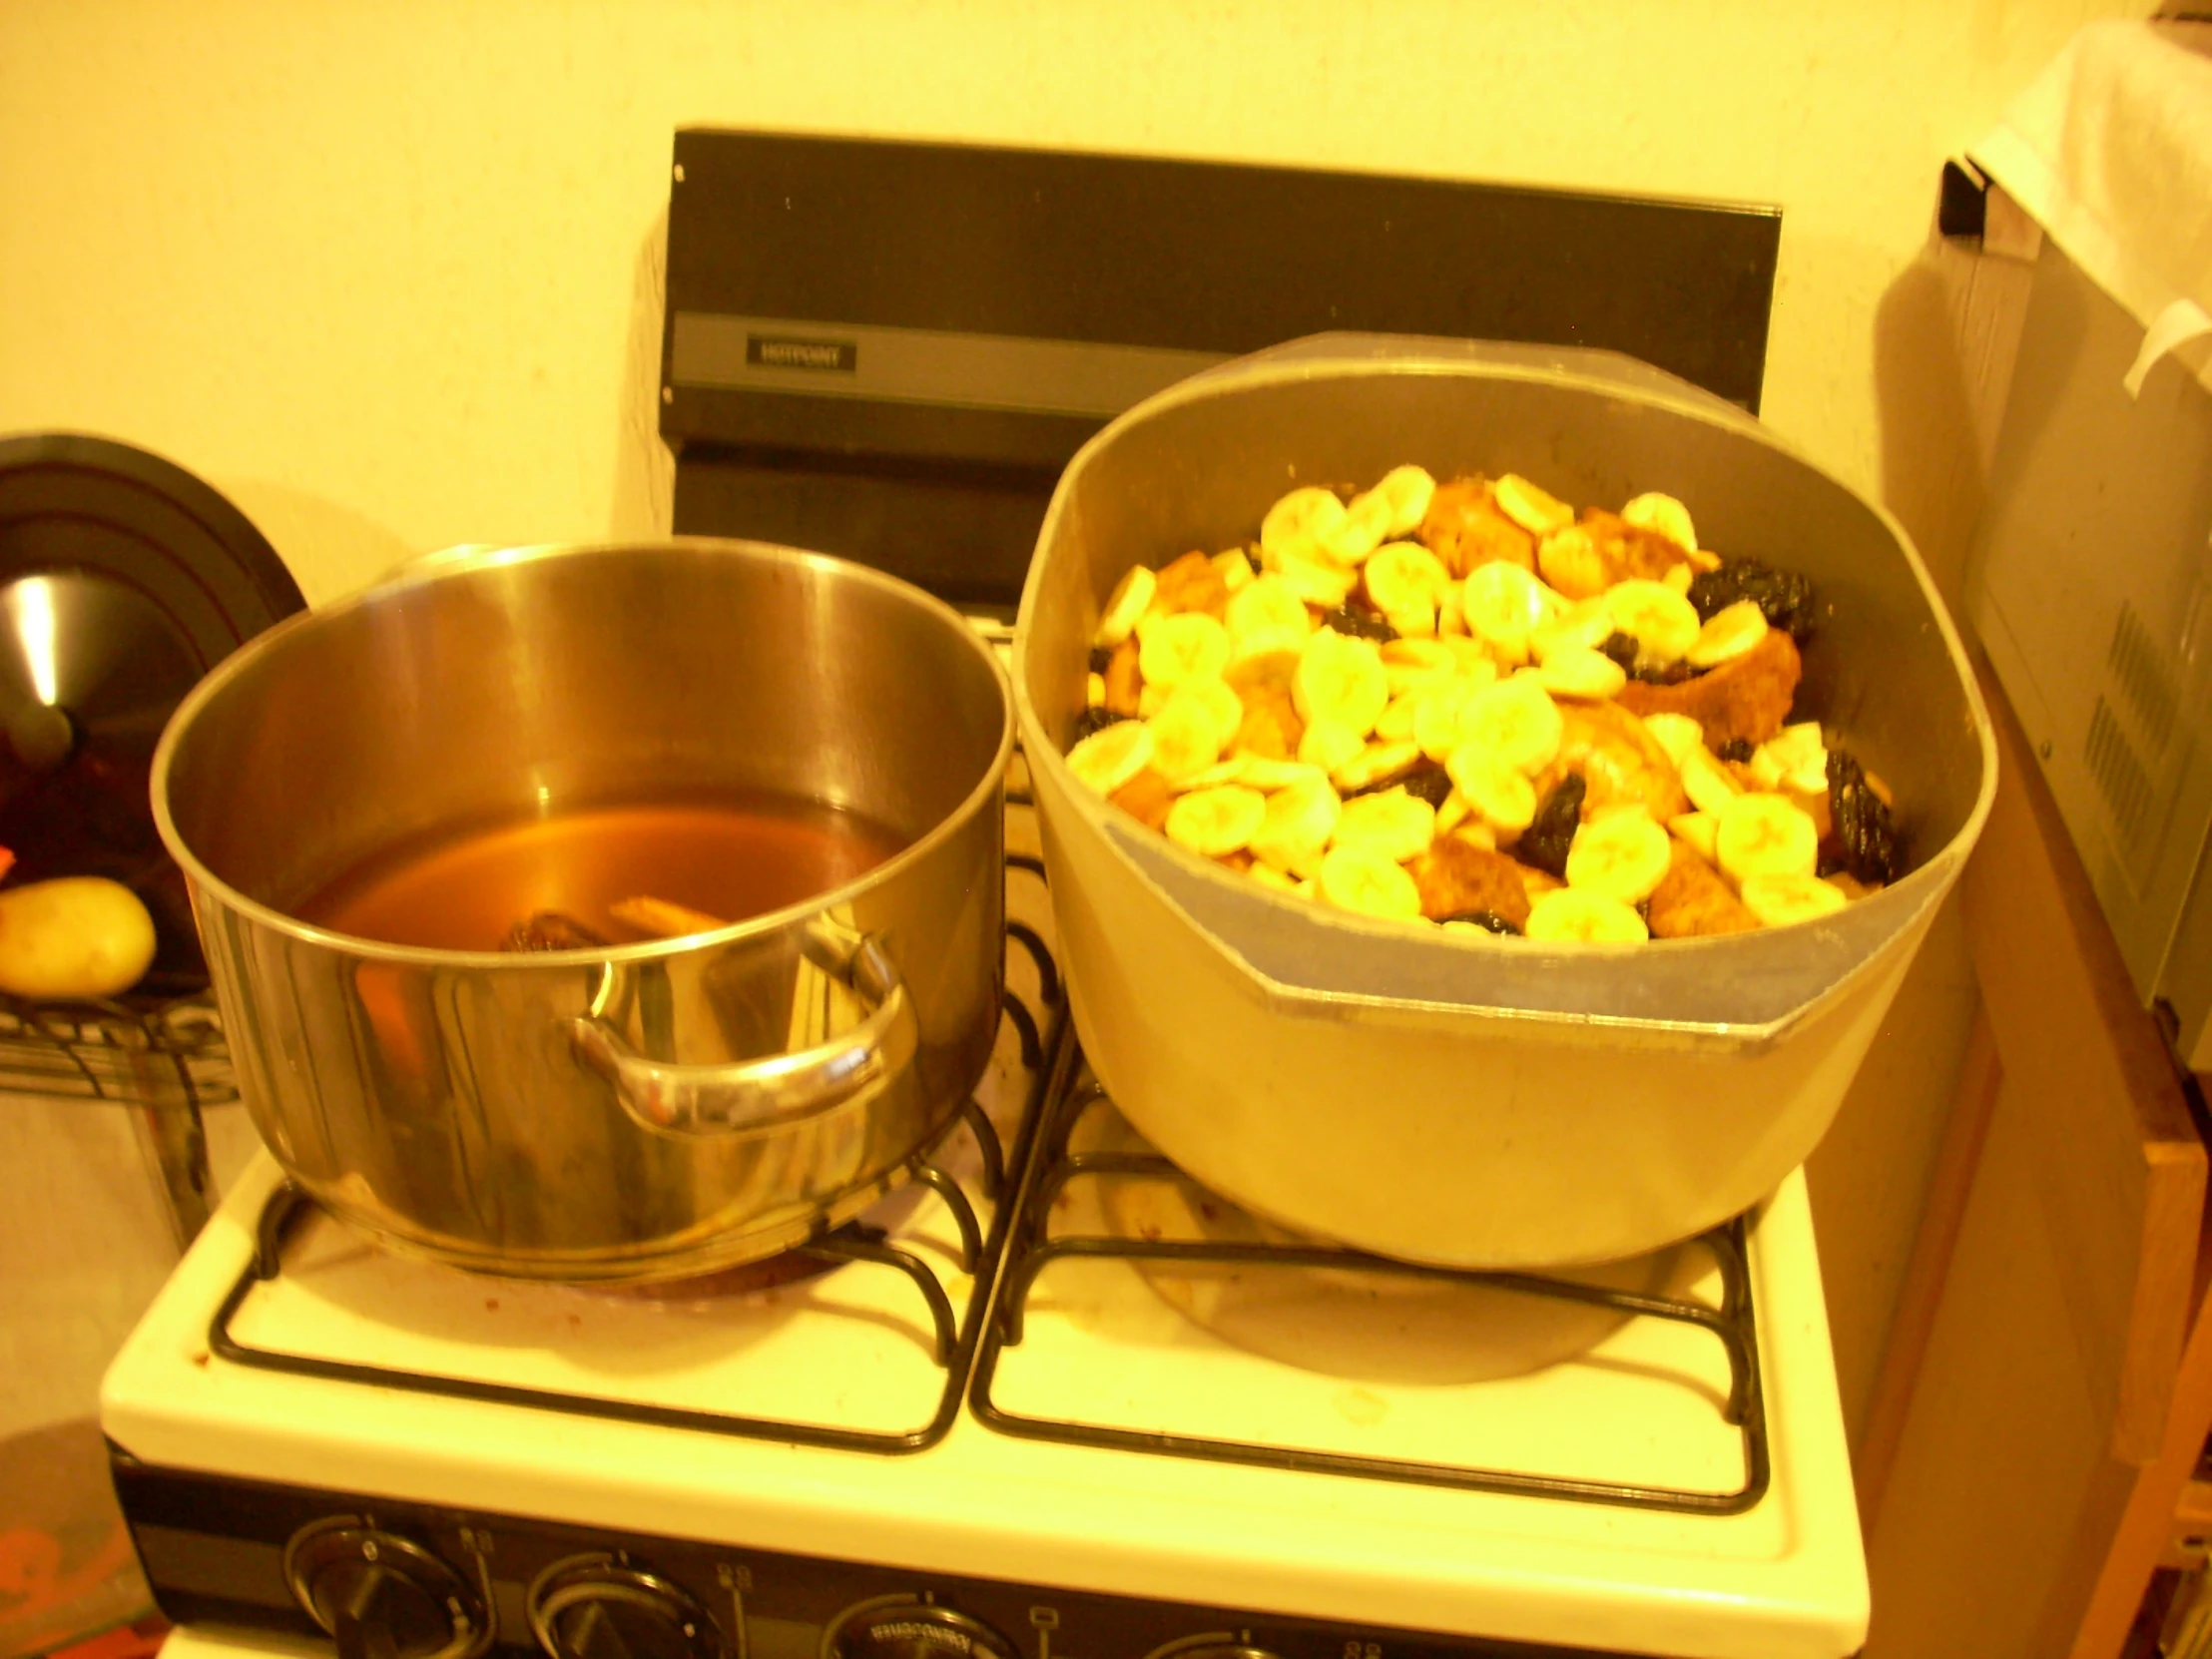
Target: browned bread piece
1456,877
1748,697
1465,529
1189,583
1692,899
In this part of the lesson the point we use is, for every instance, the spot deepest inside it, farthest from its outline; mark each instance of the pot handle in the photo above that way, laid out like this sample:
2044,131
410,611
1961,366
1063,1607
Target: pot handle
745,1096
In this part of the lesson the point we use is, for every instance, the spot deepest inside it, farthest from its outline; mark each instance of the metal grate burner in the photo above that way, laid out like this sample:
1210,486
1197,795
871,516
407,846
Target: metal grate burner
1033,1245
955,1338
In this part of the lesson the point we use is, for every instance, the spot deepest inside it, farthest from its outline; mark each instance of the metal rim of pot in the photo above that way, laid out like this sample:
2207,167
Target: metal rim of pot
440,566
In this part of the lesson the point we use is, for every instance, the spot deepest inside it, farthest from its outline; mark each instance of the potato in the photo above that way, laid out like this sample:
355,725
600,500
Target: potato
73,938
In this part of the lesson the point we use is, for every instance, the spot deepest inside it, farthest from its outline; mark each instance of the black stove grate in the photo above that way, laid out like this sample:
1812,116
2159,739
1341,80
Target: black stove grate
1031,1246
955,1339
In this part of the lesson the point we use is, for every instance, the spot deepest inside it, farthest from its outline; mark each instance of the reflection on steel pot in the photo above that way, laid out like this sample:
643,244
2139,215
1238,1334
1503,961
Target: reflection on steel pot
510,744
1481,1102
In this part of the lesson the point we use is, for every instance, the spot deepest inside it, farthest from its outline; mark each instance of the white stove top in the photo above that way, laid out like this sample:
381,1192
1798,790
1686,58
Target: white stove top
1383,1371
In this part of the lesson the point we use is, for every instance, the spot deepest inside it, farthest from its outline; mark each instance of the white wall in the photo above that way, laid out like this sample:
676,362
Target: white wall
385,272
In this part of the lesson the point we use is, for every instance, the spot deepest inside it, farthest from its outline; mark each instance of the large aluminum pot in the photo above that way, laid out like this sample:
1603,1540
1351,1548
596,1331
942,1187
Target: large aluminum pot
614,1113
1486,1103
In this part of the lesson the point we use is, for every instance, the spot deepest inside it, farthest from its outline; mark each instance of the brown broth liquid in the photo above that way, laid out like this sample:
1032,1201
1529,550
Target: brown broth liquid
727,857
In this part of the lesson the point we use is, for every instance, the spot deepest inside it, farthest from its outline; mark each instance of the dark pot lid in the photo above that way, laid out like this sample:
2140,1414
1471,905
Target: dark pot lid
123,580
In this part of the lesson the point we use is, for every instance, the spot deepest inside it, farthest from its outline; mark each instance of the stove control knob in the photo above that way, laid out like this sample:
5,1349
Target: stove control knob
382,1596
899,1627
603,1607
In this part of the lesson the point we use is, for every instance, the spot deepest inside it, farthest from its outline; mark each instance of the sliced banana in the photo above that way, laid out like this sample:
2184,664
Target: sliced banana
1664,622
1408,489
1233,569
1623,856
1476,834
1571,563
1765,834
1678,577
1185,737
1516,720
1455,811
1297,522
1500,794
1359,533
1341,680
1220,701
1405,576
1728,633
1414,663
1218,821
1269,877
1189,645
1395,824
1764,770
1706,782
1317,580
1261,772
1377,763
1801,755
1503,604
1359,879
1452,615
1678,735
1296,828
1266,604
1327,745
1263,642
1584,625
1534,509
1698,832
1473,657
1397,722
1131,598
1094,691
1213,776
1150,700
1778,900
1112,755
1444,717
1664,515
1589,674
1414,622
1577,915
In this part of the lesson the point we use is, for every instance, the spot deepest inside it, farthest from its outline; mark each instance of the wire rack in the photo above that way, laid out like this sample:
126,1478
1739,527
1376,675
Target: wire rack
130,1051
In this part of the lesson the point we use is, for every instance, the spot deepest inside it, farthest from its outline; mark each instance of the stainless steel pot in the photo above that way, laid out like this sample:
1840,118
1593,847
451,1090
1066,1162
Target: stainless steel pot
617,1113
1481,1102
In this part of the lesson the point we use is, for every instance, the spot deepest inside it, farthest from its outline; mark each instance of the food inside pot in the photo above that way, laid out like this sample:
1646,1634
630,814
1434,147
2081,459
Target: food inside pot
1470,703
571,879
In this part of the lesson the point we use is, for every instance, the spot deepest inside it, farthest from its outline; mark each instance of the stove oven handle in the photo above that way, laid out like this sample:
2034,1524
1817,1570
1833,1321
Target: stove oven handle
750,1096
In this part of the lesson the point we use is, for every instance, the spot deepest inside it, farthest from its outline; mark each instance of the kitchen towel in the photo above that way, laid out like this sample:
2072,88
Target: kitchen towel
2110,149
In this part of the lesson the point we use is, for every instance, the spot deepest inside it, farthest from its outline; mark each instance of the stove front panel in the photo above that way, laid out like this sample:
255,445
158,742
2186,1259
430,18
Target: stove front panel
395,1580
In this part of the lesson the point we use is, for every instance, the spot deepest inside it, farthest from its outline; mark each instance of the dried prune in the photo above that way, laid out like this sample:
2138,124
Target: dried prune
1670,674
1101,657
1364,625
1622,648
1484,918
1093,719
1543,845
1431,783
1252,558
1865,835
1735,749
1783,597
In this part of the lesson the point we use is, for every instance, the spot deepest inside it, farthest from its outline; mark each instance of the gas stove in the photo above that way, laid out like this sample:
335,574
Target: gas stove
1050,1400
1112,1427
